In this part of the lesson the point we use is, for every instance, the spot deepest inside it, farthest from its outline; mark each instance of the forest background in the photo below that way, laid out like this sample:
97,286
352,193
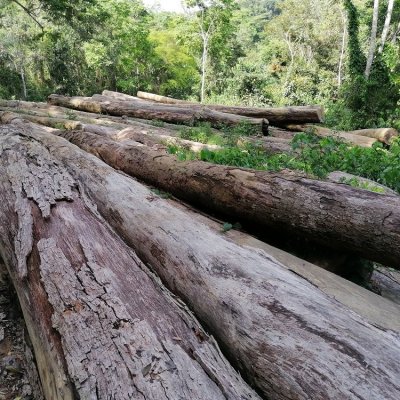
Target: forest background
343,55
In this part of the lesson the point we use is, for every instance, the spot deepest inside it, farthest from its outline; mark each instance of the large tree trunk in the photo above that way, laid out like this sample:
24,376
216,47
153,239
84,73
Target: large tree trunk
160,112
328,213
287,337
101,324
276,116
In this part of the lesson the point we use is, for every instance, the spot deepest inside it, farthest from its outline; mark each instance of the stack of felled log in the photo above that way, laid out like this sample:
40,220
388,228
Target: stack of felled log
129,293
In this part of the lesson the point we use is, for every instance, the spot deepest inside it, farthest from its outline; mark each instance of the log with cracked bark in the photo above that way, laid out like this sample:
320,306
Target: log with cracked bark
288,337
139,132
327,213
276,116
101,324
160,112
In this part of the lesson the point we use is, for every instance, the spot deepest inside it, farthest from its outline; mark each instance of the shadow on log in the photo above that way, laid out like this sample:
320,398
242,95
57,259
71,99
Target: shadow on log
327,213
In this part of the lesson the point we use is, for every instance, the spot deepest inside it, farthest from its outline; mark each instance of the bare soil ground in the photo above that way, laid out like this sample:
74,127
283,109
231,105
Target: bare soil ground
18,376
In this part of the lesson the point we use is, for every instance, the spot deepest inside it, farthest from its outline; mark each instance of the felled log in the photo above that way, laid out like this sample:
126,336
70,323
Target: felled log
287,337
276,116
57,123
380,311
150,139
119,96
151,97
354,137
327,213
383,135
159,112
101,325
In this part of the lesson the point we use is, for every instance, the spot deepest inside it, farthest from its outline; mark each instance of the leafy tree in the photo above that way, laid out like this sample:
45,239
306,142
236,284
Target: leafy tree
212,20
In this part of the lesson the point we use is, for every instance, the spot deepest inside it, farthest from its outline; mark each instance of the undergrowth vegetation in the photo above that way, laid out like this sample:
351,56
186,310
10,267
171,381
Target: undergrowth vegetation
310,154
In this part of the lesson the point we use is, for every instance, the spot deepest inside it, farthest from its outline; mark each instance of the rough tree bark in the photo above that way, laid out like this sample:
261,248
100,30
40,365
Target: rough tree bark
162,112
101,324
276,116
287,337
333,214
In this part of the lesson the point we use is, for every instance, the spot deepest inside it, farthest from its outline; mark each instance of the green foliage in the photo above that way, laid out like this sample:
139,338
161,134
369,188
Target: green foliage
161,194
258,54
314,156
226,227
354,182
203,133
158,123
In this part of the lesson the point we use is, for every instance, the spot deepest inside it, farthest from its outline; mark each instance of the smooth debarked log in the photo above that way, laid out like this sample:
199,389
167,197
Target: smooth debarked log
362,137
101,324
335,215
275,115
148,96
383,135
160,112
288,337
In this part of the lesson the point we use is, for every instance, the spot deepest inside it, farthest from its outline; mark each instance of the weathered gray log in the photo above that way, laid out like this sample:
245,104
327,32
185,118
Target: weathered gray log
160,112
387,281
288,338
102,326
327,213
276,116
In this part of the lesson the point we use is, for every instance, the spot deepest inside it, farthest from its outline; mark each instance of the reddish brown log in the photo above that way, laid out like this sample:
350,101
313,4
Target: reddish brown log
276,116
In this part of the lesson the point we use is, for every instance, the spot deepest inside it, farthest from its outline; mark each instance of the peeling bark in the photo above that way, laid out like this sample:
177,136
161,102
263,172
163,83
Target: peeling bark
288,338
102,326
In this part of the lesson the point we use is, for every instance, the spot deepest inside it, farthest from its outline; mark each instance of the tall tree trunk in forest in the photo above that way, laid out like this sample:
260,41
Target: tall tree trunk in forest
204,60
342,49
372,42
387,25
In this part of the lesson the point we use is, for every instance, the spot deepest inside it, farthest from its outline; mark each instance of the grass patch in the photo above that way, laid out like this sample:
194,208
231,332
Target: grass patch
313,155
